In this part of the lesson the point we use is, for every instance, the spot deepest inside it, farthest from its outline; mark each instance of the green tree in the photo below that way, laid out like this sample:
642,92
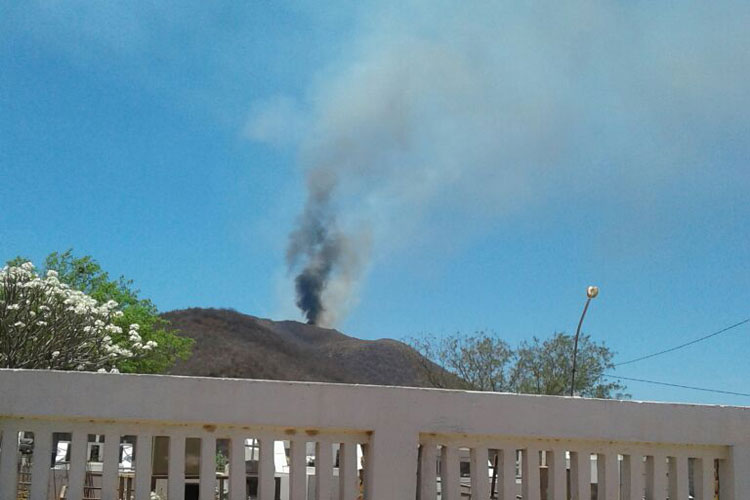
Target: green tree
544,367
85,274
480,362
484,362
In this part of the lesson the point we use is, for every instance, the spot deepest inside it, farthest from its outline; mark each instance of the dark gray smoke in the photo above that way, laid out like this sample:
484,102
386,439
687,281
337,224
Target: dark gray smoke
321,246
312,281
320,252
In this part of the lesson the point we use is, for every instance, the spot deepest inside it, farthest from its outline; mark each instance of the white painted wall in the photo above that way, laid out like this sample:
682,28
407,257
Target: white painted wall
392,422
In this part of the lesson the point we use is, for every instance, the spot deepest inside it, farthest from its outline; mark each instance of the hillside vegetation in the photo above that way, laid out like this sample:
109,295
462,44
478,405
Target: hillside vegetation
230,344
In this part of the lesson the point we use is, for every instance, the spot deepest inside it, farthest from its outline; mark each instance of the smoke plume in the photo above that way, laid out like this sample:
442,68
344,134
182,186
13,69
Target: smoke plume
330,258
439,119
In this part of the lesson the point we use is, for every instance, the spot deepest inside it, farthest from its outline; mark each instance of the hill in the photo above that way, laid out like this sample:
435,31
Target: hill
231,344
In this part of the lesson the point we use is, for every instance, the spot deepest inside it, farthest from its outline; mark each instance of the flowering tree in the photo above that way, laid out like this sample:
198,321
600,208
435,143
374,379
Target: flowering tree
45,323
86,275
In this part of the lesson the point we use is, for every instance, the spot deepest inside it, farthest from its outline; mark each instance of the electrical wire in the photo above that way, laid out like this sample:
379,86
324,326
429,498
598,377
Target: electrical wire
677,385
672,349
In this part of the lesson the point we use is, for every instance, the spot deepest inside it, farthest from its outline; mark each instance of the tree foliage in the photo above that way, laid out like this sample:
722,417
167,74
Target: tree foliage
484,362
86,275
46,324
476,362
544,367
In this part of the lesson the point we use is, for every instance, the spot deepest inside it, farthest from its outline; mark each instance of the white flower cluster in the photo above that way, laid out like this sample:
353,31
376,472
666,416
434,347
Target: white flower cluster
136,339
64,327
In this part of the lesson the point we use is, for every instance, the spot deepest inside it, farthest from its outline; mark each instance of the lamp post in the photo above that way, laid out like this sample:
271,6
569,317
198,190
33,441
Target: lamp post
591,292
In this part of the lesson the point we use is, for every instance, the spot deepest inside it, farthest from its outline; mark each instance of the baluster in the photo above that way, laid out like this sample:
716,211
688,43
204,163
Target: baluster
671,477
348,470
237,472
607,471
176,480
41,465
110,471
427,472
556,475
656,477
738,483
678,478
266,469
580,475
509,474
480,486
632,477
323,470
143,446
725,480
660,477
449,473
625,475
9,463
649,486
297,469
681,482
207,486
530,474
77,472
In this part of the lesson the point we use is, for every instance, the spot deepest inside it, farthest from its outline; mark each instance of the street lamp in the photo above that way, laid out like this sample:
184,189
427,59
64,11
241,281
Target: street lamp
591,292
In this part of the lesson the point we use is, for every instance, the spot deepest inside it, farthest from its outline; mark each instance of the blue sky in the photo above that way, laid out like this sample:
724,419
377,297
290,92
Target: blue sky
491,162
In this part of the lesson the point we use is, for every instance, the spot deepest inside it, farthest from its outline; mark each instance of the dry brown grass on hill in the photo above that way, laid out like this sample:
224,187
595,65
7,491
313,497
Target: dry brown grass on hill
230,344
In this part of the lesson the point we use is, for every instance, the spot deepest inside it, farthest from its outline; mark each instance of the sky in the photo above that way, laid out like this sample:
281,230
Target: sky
483,163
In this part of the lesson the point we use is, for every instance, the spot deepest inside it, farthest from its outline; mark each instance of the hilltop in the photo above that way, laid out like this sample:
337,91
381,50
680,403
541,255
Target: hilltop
231,344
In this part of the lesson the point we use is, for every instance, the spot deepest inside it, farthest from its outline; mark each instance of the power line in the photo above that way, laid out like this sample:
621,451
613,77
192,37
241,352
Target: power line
678,385
671,349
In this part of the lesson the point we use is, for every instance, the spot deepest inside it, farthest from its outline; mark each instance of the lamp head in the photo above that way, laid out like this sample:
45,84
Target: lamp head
592,291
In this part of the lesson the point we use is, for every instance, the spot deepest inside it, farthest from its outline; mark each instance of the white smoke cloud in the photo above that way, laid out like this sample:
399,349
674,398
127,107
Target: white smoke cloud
276,121
476,112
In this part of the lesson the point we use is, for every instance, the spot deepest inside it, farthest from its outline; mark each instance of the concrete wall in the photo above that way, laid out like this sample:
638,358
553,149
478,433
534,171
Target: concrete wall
665,449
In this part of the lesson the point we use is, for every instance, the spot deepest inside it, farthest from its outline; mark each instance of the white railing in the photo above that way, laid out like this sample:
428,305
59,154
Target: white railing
417,443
